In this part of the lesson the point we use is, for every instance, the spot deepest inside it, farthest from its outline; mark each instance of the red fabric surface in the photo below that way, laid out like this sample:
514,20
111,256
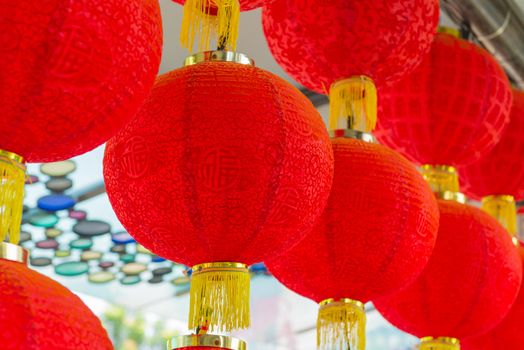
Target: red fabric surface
451,111
501,171
37,313
376,234
225,162
318,42
245,5
469,284
508,334
73,72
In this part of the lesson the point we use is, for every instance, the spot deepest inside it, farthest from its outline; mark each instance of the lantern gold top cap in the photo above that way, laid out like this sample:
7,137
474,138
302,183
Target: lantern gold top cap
332,301
442,340
206,340
353,134
13,252
12,156
219,56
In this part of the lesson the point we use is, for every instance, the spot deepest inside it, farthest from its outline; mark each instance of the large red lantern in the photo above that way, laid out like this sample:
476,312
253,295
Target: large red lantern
320,42
451,111
37,313
375,236
508,334
225,166
71,74
468,286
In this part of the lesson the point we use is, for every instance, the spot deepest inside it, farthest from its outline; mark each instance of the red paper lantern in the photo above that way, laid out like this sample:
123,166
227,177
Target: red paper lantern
318,42
501,171
375,236
73,72
508,334
225,163
245,5
451,111
469,284
37,313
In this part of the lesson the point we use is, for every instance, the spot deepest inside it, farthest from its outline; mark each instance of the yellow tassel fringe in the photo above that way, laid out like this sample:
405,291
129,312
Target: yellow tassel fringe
341,325
219,297
441,343
504,209
199,19
12,177
353,104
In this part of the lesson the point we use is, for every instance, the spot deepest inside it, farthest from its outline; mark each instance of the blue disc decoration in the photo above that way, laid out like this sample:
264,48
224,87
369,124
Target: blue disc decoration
156,259
129,280
72,268
122,238
90,228
55,202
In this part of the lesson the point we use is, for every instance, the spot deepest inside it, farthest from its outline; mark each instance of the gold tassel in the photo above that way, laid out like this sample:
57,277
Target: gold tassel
504,209
12,177
219,297
200,19
341,325
353,104
441,343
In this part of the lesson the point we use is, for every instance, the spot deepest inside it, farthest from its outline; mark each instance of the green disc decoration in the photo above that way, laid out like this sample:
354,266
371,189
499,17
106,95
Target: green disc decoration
72,268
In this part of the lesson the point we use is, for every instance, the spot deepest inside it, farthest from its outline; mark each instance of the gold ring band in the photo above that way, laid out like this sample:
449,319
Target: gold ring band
13,252
206,340
219,56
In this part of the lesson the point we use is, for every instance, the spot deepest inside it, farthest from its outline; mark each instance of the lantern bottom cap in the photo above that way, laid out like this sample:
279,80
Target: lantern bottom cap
206,340
219,56
439,343
13,252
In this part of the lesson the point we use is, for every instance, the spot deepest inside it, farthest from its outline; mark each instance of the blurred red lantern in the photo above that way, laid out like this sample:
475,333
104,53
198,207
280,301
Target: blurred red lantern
205,342
37,313
225,163
71,74
498,177
320,42
375,236
468,286
507,335
451,111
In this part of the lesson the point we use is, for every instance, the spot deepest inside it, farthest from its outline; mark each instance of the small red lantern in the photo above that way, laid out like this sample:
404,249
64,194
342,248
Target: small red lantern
225,166
319,42
508,334
451,111
37,313
468,286
375,236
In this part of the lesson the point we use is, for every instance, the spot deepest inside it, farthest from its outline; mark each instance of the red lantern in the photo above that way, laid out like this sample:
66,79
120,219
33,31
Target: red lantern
37,313
225,163
507,335
73,72
500,172
375,236
206,342
468,286
320,42
245,5
451,111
